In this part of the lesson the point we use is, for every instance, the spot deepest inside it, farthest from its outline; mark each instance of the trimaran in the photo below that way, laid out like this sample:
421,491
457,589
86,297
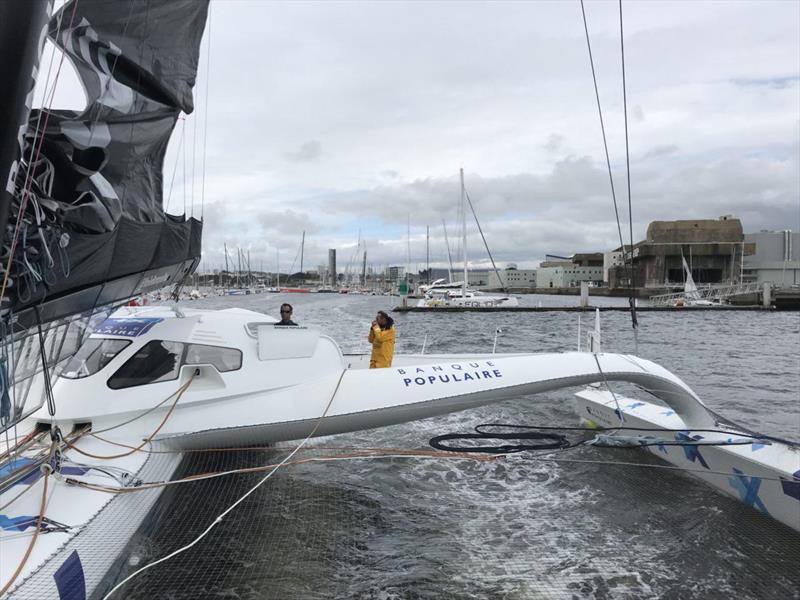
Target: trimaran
89,442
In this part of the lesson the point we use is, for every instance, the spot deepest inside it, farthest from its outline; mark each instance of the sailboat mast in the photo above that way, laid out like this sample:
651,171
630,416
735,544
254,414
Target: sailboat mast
408,247
227,272
364,269
238,267
449,256
428,252
463,234
302,249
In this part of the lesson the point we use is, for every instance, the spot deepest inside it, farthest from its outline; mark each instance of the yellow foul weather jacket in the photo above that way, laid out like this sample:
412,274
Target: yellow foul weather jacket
382,341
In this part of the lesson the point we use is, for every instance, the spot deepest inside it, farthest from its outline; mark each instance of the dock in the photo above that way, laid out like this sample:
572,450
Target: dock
459,309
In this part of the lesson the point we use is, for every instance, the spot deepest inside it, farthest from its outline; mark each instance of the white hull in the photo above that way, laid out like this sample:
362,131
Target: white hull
762,475
292,383
477,301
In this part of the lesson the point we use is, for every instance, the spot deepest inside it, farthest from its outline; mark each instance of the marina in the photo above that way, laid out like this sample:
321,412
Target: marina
183,416
581,309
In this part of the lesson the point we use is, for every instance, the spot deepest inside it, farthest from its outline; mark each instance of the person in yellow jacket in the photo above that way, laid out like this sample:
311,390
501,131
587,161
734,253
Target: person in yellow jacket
381,336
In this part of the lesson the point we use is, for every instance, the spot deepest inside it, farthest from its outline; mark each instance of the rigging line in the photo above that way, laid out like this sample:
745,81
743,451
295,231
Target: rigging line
131,420
449,256
424,454
483,237
205,118
48,384
183,143
194,159
175,168
628,268
628,171
623,463
29,179
223,514
608,387
147,440
12,377
47,91
47,469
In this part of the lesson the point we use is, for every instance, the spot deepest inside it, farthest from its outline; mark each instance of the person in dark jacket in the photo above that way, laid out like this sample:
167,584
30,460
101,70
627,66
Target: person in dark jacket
286,316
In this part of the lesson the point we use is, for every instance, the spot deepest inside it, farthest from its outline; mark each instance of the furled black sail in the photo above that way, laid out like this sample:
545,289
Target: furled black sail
89,227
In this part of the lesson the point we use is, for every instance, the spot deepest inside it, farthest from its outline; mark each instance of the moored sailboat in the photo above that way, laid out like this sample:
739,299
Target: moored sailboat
460,294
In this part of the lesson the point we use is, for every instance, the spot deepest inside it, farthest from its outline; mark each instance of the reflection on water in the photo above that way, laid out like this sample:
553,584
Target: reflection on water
512,528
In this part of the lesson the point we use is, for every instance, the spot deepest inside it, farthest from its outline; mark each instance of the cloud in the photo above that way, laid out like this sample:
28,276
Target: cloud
286,220
660,151
308,151
404,95
554,142
770,82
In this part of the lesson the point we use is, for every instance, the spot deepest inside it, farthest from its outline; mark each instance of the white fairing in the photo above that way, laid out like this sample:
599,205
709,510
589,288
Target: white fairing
293,379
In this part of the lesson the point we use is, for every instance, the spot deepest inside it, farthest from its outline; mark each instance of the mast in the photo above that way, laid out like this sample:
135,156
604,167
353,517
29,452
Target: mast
428,252
302,249
485,243
449,256
463,234
249,274
23,27
364,270
278,268
227,273
408,248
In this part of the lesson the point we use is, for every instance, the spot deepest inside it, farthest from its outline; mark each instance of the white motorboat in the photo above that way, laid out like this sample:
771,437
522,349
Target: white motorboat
441,294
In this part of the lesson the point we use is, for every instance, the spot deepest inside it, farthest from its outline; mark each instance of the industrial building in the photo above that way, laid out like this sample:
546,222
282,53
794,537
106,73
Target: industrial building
513,278
776,259
568,274
713,250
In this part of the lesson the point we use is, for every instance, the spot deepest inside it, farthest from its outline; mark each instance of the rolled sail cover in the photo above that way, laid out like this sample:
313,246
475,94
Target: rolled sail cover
99,178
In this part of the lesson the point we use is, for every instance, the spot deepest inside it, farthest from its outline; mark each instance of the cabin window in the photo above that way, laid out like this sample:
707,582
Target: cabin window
155,362
95,354
223,359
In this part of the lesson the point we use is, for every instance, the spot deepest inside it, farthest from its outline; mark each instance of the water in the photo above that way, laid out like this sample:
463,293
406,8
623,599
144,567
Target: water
514,528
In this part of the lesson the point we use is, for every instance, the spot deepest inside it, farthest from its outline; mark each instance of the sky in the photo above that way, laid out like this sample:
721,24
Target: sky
351,120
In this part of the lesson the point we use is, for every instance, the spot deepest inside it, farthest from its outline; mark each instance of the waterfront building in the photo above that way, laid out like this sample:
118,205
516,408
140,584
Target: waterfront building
513,278
566,274
713,250
395,274
476,278
611,260
776,259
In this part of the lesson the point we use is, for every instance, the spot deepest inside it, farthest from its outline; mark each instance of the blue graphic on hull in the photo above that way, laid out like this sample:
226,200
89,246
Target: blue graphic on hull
692,452
791,487
23,522
132,327
70,580
748,487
